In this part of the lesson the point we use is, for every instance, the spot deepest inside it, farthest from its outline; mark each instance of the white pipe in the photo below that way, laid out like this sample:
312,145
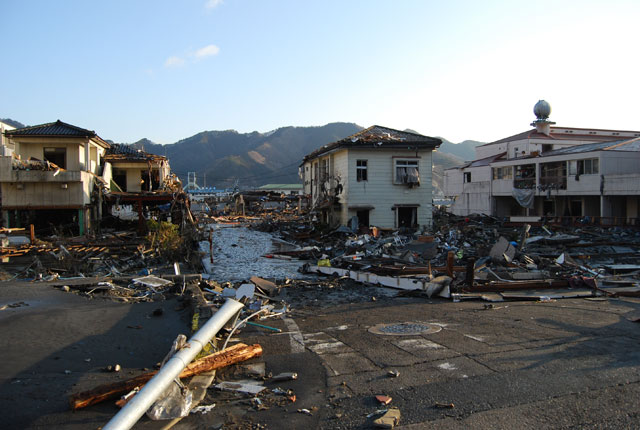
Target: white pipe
131,413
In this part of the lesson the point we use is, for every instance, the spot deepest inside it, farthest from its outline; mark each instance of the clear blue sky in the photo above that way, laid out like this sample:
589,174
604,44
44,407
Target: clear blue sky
166,70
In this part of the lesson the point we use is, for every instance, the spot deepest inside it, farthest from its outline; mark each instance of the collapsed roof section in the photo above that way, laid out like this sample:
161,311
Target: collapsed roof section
121,152
378,137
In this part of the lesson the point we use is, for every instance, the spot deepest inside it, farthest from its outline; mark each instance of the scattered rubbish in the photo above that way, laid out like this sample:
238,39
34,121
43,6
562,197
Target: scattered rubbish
393,373
125,399
389,420
385,400
444,405
114,368
203,409
240,387
174,402
288,376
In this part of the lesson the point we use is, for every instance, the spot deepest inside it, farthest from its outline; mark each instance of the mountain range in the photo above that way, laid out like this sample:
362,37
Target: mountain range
220,158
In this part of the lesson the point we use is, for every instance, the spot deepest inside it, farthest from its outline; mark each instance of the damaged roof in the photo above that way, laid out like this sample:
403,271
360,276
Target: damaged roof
630,145
377,136
56,129
122,152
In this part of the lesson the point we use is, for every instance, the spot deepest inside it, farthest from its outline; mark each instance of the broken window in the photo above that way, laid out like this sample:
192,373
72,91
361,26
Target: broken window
467,177
57,156
407,217
363,217
407,172
119,176
361,170
553,176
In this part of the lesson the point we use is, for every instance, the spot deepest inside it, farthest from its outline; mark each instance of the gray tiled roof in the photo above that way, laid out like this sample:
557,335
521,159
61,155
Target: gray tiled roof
57,128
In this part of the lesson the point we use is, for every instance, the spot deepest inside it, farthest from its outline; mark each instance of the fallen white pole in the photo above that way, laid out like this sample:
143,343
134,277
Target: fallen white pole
131,413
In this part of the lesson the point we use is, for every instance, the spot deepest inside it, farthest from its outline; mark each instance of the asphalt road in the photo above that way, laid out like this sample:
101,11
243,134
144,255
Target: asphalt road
566,364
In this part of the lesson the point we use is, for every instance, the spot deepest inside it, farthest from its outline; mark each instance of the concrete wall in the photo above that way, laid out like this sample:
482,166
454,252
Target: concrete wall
488,150
475,198
44,194
452,182
470,197
619,162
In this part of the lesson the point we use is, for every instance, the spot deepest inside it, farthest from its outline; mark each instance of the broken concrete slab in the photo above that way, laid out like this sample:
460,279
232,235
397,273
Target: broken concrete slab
503,251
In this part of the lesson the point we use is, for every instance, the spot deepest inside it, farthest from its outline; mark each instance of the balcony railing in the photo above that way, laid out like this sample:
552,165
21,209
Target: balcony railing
553,183
524,183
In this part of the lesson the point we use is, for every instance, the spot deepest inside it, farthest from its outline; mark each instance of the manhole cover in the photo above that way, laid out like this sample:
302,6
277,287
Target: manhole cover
405,329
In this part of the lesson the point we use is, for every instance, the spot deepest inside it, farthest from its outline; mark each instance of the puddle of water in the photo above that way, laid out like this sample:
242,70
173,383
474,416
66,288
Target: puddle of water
238,255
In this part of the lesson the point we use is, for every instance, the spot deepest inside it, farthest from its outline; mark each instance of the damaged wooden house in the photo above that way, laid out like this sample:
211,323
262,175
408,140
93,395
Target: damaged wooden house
139,182
380,176
65,179
50,176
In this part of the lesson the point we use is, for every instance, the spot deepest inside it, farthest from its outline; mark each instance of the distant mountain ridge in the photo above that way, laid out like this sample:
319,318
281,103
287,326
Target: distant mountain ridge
222,157
219,158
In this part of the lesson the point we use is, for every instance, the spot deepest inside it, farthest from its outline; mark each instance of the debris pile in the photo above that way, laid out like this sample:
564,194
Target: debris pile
473,257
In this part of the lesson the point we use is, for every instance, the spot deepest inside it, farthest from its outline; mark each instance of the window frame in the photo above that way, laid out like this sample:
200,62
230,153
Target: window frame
406,163
362,167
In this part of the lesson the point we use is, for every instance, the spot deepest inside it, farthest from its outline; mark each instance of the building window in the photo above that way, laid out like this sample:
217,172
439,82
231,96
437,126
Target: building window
361,170
589,166
467,177
57,156
324,170
407,172
503,172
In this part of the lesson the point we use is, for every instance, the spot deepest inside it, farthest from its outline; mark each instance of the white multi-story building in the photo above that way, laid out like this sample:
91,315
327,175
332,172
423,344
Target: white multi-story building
380,175
552,172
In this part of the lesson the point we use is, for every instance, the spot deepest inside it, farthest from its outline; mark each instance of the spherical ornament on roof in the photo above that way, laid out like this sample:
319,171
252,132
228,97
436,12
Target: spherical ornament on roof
542,109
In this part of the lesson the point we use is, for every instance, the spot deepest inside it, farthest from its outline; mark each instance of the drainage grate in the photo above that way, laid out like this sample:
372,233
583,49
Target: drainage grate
405,329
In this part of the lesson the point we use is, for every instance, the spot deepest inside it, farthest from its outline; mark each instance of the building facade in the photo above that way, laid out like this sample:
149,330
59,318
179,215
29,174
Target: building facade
552,172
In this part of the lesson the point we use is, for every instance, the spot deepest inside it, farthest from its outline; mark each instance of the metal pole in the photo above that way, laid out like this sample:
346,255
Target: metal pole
131,413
